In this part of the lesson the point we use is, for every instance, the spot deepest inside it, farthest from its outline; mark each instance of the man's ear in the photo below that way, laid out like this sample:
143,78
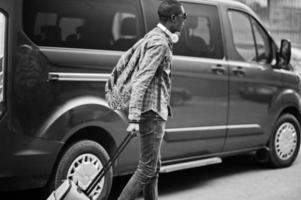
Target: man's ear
172,18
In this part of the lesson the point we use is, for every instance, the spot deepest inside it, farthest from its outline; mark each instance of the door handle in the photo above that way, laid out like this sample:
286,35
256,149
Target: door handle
218,69
239,71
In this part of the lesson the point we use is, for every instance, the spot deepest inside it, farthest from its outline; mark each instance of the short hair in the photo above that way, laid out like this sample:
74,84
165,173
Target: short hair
168,8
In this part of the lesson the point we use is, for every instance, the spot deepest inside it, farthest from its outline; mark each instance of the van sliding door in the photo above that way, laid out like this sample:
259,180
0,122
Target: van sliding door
199,86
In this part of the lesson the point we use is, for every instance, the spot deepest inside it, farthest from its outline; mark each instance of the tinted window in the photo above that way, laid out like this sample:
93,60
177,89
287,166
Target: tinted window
2,48
201,36
242,36
93,24
263,47
2,34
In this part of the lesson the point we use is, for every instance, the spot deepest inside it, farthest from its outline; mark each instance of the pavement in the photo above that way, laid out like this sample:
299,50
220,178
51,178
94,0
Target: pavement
236,178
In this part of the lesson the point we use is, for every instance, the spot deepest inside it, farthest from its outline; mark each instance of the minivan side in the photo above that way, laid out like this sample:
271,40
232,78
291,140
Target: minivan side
233,90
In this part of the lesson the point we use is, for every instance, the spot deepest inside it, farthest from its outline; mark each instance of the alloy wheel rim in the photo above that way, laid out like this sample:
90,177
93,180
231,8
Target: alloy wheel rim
82,171
286,141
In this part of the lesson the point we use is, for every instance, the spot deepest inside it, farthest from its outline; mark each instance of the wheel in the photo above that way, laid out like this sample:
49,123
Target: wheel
80,163
285,142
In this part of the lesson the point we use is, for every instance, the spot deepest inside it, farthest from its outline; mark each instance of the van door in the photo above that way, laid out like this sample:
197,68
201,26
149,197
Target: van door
199,86
253,81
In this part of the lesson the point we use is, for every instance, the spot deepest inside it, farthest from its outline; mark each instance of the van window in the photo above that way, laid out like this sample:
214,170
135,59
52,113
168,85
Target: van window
89,24
242,36
201,36
2,53
263,45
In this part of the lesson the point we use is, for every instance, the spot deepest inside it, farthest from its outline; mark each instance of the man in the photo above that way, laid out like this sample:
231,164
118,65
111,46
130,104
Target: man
149,103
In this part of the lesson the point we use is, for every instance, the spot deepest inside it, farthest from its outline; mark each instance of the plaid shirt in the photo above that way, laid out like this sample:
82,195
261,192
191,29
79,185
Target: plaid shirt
153,74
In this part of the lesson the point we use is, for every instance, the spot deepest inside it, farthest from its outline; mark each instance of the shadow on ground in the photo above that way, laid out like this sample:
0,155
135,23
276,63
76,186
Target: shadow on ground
187,179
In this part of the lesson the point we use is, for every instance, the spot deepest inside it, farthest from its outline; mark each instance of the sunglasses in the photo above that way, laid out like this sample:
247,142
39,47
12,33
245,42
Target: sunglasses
183,16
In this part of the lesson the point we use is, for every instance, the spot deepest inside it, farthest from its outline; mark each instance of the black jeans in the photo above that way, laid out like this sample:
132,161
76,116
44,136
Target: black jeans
147,173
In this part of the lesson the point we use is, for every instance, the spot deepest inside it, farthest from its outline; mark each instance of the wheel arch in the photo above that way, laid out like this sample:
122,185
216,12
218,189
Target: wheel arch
291,110
84,118
288,109
76,114
94,133
286,102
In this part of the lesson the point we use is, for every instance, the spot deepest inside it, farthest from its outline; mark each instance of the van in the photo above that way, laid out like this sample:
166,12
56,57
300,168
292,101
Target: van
233,91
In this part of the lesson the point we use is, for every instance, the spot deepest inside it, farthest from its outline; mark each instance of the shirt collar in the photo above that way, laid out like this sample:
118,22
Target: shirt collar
161,27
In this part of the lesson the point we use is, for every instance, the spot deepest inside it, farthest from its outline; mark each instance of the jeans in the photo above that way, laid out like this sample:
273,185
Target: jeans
146,175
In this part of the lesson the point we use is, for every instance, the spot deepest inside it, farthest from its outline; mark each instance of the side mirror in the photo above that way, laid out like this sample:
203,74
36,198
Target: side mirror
284,54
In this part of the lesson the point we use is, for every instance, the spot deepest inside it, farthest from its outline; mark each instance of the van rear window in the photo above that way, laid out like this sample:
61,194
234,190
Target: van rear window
89,24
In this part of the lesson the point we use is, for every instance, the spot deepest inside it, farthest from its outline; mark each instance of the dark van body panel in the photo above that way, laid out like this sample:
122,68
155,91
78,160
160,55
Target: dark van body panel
55,94
44,113
256,87
201,117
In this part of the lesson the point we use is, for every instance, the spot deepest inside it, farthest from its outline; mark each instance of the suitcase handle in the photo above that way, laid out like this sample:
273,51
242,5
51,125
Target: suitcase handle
107,166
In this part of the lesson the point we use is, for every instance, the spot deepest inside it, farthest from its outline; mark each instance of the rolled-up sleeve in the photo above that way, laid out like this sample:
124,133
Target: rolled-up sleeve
152,59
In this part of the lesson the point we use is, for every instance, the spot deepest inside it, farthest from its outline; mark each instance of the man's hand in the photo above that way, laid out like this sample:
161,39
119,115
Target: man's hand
133,128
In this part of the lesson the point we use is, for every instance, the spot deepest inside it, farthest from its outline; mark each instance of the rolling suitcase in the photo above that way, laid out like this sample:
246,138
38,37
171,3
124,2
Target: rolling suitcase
68,190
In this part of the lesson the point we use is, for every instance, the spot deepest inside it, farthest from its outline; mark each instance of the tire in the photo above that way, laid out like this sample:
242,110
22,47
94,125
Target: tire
80,162
285,142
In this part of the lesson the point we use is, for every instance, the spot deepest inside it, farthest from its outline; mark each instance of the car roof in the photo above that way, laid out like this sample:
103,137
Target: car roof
227,3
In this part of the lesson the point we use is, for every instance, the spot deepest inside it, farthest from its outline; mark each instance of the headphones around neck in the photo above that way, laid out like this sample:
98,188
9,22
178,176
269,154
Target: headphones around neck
174,37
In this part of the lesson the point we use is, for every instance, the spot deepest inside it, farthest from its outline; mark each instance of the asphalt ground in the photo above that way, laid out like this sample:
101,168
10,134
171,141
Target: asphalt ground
236,178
